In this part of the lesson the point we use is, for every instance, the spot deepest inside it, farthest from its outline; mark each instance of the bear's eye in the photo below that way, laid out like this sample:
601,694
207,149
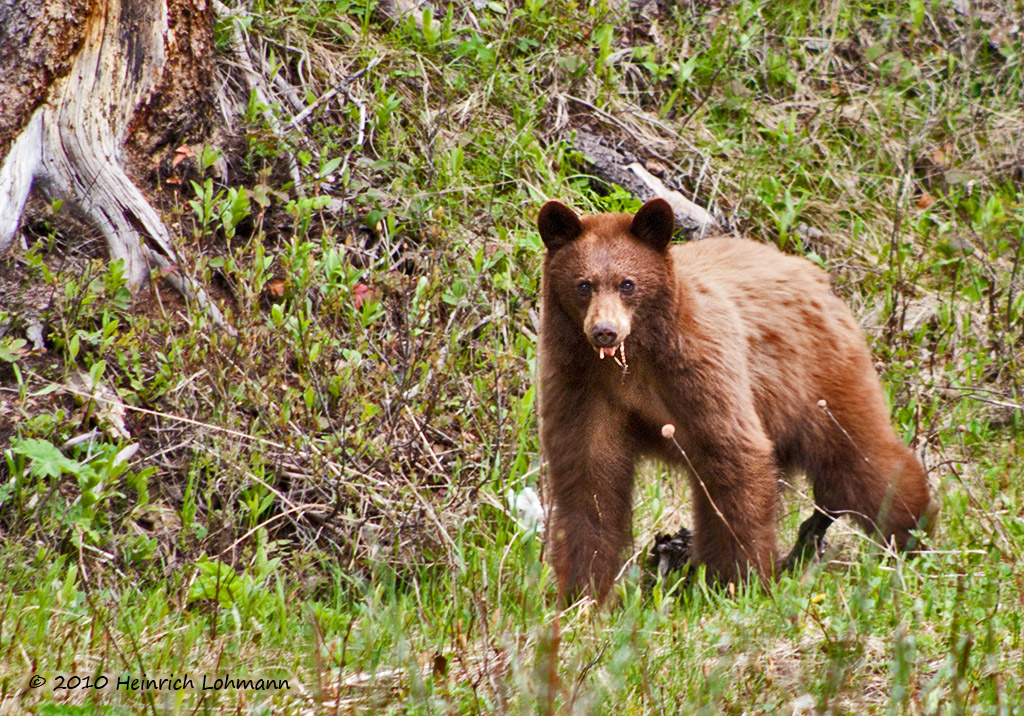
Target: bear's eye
584,288
627,286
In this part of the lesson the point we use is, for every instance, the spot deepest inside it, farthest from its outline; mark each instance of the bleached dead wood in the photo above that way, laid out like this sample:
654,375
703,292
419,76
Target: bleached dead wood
256,83
680,204
616,163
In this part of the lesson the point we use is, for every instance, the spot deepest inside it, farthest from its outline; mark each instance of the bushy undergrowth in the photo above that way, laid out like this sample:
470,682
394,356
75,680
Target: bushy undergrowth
325,496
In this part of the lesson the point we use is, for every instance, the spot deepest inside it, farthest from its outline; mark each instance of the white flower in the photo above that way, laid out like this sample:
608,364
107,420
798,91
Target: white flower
527,508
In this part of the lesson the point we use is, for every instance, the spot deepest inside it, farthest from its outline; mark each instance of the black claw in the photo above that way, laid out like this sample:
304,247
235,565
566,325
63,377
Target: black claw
671,552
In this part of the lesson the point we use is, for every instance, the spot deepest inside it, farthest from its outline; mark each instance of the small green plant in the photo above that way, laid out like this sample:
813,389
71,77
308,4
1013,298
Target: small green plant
36,467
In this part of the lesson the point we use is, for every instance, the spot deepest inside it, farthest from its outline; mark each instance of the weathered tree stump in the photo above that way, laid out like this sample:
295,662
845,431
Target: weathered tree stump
95,88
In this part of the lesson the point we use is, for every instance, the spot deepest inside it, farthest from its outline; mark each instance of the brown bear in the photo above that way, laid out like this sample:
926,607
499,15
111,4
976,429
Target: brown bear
736,345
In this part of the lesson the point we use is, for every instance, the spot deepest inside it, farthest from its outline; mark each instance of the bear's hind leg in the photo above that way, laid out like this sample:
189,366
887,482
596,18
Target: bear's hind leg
880,484
810,540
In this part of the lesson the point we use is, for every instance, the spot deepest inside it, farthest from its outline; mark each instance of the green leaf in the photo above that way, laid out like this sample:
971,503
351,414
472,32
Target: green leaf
47,460
11,351
874,52
330,166
215,581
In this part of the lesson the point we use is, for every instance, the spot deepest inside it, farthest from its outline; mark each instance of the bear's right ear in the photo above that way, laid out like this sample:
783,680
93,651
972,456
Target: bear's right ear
558,225
654,224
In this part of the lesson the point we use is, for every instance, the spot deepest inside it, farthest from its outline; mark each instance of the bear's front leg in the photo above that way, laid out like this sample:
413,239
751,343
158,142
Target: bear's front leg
734,487
591,477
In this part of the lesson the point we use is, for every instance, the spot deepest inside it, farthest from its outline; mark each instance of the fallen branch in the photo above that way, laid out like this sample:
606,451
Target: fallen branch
619,166
257,85
679,203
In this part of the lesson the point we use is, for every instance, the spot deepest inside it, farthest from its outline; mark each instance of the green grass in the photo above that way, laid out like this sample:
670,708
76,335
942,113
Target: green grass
323,498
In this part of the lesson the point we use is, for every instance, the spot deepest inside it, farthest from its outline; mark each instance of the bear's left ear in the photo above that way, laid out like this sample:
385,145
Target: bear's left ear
558,225
654,224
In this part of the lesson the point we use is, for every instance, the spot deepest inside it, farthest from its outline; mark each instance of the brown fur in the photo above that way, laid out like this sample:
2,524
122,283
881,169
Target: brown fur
732,342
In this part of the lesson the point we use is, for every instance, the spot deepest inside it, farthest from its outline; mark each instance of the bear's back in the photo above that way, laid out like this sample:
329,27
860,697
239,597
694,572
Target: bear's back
771,292
797,337
747,263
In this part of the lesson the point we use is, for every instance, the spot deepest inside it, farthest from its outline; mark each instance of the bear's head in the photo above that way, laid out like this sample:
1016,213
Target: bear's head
607,270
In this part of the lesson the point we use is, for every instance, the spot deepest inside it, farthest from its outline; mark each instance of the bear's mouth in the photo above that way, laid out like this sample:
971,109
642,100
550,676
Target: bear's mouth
604,351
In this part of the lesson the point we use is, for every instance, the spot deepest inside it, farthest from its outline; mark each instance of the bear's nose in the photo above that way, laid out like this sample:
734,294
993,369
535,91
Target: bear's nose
604,334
